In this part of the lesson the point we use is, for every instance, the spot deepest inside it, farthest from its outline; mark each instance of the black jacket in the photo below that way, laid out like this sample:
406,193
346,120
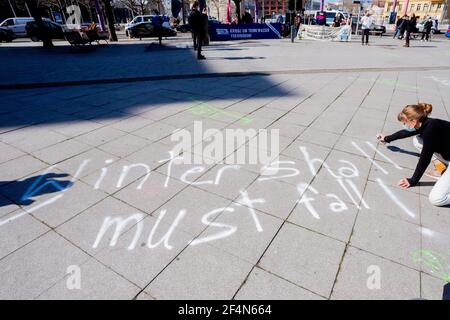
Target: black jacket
403,25
435,134
198,22
427,26
411,26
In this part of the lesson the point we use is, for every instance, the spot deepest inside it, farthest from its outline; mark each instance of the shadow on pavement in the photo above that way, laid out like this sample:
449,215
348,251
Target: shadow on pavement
400,150
243,58
116,81
21,192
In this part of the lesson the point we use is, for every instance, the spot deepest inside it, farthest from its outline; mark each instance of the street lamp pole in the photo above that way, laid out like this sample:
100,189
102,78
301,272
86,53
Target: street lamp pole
393,15
98,8
263,11
406,7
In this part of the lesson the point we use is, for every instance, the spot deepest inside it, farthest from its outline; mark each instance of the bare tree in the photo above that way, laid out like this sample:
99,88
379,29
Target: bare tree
19,4
111,21
131,5
238,9
143,6
216,3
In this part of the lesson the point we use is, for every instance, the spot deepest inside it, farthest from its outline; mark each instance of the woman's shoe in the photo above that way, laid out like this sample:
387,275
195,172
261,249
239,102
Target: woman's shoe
439,166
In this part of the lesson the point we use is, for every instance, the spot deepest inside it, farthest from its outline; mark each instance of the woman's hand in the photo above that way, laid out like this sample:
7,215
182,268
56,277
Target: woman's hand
380,137
404,183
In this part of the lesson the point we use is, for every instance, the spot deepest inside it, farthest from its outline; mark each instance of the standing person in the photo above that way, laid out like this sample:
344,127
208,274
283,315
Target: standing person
247,18
321,18
193,22
337,20
157,21
436,24
403,26
431,139
427,29
398,25
410,28
414,24
366,25
298,24
205,25
199,26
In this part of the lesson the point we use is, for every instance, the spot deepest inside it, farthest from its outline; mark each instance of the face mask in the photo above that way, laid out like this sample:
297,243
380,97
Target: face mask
408,128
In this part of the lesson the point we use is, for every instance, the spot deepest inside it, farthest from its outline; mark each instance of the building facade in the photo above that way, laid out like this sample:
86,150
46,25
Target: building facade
421,8
258,8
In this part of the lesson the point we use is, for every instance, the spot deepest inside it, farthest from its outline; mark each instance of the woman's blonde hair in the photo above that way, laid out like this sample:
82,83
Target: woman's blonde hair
418,112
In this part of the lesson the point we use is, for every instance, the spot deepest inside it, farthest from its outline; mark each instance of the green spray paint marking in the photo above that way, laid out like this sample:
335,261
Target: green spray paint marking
434,261
391,83
205,110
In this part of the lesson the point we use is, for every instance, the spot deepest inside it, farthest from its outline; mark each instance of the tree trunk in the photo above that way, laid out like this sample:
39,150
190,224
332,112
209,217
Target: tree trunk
183,11
110,17
37,15
238,9
63,14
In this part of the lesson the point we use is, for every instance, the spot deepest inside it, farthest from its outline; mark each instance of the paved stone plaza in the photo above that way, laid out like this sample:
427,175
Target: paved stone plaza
331,224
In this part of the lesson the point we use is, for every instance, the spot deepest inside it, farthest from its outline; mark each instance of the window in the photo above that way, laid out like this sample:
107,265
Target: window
425,7
412,7
439,6
399,7
418,6
432,7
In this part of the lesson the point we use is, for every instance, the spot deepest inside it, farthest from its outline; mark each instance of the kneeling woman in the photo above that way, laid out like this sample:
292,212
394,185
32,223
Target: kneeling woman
432,139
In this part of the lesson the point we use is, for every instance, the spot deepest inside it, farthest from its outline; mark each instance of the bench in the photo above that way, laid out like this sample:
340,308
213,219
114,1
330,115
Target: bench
97,36
80,38
76,38
376,32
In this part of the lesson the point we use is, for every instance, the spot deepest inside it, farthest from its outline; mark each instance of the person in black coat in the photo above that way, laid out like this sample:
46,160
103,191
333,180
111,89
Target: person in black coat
410,28
427,29
337,20
247,18
191,21
413,23
402,26
398,26
157,21
198,22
